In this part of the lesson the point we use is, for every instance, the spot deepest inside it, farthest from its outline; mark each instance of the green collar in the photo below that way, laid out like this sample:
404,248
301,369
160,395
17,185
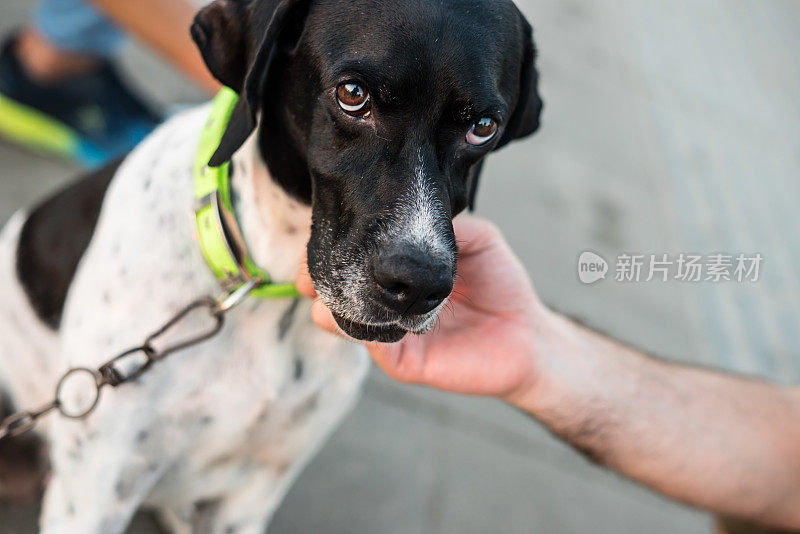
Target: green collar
217,229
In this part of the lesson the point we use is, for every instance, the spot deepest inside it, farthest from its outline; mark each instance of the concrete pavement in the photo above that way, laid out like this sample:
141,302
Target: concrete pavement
670,126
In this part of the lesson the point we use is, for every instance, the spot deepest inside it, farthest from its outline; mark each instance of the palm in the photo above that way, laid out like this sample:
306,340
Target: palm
483,340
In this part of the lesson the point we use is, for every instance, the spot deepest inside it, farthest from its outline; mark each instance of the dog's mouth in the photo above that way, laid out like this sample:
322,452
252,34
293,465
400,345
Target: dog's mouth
386,332
367,332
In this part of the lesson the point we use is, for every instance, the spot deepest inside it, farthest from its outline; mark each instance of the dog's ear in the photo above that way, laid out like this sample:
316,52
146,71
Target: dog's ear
220,31
238,42
525,118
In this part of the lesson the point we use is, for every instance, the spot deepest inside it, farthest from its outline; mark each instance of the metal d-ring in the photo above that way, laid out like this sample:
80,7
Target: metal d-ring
59,404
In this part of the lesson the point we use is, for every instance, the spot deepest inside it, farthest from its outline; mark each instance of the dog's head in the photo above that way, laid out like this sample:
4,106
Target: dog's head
377,113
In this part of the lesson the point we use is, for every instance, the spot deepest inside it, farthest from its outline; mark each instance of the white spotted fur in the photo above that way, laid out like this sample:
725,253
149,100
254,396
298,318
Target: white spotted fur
213,436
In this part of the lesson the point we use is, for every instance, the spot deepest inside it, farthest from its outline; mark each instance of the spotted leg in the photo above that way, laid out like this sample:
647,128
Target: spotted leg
101,475
249,509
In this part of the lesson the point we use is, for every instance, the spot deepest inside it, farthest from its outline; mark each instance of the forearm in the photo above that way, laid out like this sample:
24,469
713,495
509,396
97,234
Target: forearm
722,443
164,26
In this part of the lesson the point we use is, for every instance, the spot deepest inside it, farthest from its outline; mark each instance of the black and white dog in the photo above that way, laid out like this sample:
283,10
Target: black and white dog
358,136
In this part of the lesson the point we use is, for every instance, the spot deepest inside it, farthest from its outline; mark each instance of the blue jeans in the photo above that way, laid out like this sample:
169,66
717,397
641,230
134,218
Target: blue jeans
77,26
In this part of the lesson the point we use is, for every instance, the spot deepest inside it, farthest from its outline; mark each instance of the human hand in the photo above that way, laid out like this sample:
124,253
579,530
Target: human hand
485,340
658,423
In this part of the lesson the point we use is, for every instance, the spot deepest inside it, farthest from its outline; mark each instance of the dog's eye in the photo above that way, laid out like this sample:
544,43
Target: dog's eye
482,131
353,99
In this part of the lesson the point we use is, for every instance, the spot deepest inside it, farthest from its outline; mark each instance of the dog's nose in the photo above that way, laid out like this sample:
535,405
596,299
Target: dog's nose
411,282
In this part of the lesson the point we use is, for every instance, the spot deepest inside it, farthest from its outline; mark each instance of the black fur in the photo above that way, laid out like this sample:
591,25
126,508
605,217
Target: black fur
432,69
54,238
258,56
23,461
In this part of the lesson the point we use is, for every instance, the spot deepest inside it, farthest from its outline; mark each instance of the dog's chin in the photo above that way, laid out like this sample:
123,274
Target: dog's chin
365,332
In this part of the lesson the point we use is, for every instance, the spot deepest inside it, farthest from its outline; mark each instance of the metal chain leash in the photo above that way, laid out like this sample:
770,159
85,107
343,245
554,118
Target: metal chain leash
128,365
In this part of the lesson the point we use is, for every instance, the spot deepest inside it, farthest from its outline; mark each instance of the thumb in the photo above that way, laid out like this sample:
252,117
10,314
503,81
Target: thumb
323,317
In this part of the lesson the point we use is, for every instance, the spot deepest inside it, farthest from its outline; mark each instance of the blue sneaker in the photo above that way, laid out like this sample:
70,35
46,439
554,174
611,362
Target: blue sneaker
92,117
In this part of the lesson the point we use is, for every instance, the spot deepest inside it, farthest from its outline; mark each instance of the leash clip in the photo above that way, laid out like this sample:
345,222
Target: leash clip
233,299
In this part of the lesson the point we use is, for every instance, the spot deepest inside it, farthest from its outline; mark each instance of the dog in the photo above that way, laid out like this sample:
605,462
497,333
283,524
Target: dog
359,134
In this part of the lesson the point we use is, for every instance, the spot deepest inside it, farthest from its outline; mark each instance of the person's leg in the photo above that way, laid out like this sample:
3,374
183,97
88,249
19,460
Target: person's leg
46,63
78,27
66,37
59,91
